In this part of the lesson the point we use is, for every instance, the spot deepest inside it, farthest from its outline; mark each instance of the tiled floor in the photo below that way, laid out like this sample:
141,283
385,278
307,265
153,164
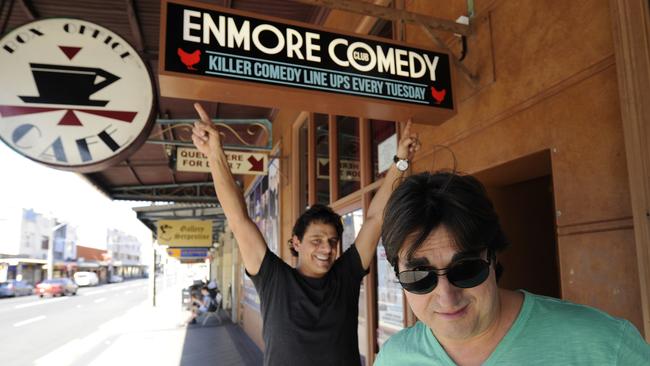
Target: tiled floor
219,344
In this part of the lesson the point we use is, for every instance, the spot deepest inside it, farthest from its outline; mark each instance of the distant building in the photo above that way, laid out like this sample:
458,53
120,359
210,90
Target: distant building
123,247
124,254
93,260
26,238
35,231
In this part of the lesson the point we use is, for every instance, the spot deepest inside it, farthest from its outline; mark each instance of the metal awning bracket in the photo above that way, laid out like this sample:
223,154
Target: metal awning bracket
427,23
237,134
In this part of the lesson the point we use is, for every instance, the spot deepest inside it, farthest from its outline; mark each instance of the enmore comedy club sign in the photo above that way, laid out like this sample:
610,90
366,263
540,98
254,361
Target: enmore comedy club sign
74,95
212,53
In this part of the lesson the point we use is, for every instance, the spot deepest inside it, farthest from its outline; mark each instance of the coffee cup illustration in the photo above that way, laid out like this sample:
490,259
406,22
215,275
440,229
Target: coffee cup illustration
58,84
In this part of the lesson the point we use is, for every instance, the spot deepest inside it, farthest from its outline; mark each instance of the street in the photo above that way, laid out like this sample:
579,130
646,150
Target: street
63,330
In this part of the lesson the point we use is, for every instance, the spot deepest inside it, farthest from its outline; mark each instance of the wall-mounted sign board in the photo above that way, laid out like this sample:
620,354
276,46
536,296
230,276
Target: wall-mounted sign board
213,53
185,253
185,233
240,162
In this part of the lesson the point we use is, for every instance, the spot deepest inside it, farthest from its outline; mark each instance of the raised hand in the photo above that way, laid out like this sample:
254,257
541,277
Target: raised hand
408,143
205,136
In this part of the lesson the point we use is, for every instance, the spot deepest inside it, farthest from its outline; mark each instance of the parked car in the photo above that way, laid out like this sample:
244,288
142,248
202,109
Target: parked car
115,279
15,288
86,278
57,286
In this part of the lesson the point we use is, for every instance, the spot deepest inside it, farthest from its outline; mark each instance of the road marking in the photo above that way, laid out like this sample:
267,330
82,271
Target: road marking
94,292
102,299
25,322
40,302
71,352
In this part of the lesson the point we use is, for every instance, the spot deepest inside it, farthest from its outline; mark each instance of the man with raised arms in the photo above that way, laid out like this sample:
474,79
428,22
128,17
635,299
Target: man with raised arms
309,312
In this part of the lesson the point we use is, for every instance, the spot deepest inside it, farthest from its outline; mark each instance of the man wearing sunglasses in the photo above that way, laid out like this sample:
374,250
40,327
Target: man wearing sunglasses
442,237
310,312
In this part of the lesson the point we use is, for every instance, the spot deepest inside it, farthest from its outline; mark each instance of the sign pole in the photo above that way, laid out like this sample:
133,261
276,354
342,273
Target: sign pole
152,277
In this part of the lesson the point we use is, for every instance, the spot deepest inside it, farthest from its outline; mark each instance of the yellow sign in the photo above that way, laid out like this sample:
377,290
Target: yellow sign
185,233
240,162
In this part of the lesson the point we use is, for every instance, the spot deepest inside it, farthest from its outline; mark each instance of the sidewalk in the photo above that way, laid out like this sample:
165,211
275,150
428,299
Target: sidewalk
149,335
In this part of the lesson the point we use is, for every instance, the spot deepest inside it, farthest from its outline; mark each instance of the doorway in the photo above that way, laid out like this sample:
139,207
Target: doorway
522,193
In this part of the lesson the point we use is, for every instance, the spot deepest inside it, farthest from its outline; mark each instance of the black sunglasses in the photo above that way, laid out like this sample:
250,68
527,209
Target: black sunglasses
465,273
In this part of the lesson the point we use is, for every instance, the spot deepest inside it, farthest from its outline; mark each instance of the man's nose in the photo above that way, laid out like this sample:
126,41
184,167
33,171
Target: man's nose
447,294
326,247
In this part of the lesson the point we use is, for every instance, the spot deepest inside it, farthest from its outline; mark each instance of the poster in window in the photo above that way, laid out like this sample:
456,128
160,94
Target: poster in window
390,305
262,201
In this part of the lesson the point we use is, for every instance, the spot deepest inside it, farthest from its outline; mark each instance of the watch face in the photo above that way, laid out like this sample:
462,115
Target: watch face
402,165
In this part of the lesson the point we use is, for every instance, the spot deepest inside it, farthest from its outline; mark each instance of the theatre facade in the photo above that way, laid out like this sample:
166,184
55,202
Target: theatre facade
548,114
545,102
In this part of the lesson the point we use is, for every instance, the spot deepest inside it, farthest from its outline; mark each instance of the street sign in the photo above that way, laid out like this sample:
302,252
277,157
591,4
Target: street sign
240,162
185,233
184,253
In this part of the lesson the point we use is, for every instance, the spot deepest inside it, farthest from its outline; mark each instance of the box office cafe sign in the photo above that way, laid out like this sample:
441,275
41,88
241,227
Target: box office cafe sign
232,45
74,95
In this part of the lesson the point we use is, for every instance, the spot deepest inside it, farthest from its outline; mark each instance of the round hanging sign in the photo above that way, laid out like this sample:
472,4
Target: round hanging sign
74,96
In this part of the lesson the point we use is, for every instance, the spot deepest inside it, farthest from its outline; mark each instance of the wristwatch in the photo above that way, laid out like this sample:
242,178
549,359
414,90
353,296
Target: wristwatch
401,164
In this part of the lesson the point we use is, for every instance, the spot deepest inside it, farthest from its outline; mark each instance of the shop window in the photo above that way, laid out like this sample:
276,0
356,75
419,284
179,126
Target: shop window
383,140
349,154
321,123
352,222
351,225
390,302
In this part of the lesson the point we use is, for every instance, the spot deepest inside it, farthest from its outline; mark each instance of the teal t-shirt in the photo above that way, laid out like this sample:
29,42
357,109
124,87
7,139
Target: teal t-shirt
547,331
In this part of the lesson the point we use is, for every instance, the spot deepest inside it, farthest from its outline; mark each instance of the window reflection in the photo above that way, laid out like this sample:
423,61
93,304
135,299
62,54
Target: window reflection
390,305
322,159
352,222
383,145
304,158
348,148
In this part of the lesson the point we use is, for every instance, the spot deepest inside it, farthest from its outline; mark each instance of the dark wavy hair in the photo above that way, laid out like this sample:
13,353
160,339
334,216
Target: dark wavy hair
316,213
426,201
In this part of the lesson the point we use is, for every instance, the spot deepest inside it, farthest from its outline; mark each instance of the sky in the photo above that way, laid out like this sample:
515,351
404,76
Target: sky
66,196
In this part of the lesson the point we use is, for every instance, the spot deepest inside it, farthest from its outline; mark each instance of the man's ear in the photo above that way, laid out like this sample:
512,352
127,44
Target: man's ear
295,242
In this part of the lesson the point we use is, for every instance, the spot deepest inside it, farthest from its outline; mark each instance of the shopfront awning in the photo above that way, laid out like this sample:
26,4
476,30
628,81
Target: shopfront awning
149,173
16,261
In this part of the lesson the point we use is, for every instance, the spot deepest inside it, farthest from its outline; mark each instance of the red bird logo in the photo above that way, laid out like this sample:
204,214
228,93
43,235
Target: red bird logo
439,96
189,59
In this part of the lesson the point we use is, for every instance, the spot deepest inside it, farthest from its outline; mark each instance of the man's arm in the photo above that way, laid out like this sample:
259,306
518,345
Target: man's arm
368,237
251,242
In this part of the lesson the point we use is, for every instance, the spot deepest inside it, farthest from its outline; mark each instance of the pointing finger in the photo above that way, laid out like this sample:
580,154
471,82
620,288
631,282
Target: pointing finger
407,129
202,113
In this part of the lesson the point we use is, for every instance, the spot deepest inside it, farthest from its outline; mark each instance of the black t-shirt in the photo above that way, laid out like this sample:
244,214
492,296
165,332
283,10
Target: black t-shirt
310,321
